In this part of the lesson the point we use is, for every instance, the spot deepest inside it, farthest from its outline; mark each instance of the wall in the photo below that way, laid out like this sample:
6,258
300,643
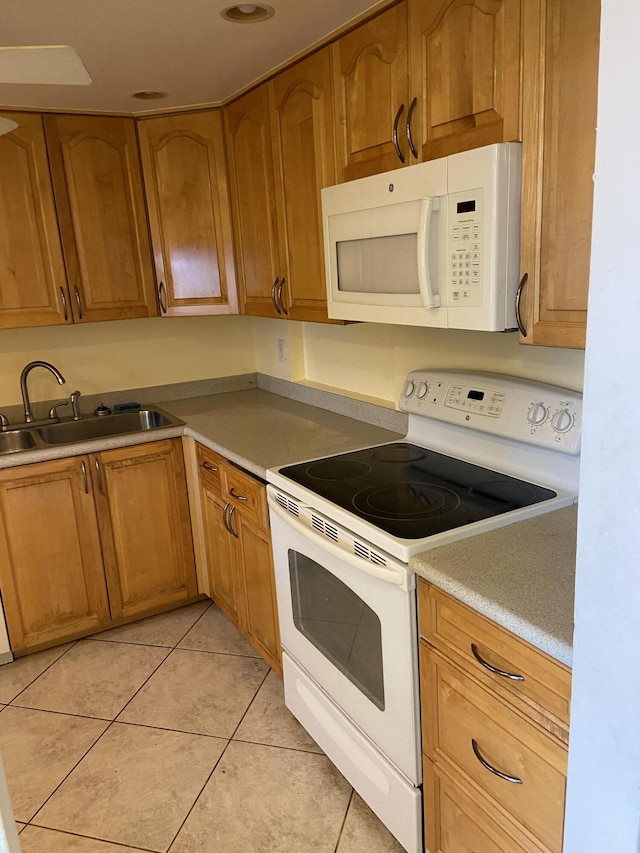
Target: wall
96,357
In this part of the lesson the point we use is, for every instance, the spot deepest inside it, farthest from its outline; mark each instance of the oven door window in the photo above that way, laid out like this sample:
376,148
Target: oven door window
339,624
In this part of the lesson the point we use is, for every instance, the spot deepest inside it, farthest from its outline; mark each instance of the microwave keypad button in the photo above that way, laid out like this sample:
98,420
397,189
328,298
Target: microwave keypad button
466,228
465,237
475,247
475,256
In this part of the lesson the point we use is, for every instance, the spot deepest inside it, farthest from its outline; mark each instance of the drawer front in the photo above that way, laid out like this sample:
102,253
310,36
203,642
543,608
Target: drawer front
246,493
209,465
463,714
454,628
458,820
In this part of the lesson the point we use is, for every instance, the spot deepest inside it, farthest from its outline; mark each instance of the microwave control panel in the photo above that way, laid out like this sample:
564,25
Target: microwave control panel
465,249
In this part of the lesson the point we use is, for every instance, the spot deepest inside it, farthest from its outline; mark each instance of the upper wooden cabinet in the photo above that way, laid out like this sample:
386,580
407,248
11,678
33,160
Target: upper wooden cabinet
33,283
184,169
100,203
560,86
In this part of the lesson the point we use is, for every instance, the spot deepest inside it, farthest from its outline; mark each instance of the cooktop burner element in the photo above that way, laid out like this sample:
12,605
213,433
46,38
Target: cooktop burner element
412,492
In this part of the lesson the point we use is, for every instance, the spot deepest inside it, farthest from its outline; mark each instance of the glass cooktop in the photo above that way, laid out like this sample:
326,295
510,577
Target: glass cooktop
412,492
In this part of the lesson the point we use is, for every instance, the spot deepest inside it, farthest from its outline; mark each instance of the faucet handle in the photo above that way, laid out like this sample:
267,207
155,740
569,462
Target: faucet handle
75,406
4,422
53,413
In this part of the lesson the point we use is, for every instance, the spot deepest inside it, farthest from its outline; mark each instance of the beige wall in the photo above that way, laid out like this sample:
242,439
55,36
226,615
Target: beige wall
97,357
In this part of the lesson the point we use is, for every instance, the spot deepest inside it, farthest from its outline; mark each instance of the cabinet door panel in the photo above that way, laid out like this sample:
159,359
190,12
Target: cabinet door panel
98,189
465,70
33,285
145,528
302,130
370,83
186,188
53,583
220,549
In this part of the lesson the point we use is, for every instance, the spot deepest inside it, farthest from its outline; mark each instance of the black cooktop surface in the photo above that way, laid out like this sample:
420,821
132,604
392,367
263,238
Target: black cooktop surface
412,492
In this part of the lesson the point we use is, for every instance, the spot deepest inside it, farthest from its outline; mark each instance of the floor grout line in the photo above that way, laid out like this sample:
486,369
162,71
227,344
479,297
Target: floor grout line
93,838
33,681
344,821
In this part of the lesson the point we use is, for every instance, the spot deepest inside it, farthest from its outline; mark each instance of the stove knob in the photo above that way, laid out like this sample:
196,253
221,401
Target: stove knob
423,390
409,388
562,421
538,413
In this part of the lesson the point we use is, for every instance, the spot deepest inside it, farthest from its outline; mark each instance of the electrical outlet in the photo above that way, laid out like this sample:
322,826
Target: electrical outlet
282,349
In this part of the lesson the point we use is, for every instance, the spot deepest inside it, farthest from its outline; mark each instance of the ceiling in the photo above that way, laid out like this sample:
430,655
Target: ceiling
182,47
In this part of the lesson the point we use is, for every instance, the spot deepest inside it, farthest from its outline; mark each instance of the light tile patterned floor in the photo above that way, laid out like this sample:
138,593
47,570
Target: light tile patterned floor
169,735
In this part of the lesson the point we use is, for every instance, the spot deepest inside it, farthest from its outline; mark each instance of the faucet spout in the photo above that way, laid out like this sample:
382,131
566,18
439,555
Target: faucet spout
28,414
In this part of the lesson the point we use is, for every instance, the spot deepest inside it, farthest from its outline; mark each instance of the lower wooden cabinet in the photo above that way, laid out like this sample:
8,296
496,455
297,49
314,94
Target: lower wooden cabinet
238,550
90,539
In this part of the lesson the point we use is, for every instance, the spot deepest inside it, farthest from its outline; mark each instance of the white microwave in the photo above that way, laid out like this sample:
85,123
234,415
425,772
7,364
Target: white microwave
435,244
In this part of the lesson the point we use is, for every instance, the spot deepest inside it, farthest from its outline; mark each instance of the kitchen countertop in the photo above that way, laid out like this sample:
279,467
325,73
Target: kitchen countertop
521,576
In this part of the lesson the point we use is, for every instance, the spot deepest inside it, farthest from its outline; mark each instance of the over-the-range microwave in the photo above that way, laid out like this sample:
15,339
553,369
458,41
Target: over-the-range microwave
435,244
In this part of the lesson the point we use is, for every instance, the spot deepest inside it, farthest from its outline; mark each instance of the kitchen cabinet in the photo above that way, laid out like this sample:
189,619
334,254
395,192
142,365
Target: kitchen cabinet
560,84
490,702
33,283
184,169
238,549
113,541
98,193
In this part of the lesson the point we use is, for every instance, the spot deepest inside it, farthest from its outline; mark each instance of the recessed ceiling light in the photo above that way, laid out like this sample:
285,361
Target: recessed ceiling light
149,95
248,13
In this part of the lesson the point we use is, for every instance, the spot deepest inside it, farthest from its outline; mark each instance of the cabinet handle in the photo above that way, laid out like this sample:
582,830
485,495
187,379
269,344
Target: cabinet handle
412,107
83,468
273,295
395,133
279,297
235,495
99,472
493,669
487,766
161,299
78,303
64,304
521,327
224,517
208,467
231,513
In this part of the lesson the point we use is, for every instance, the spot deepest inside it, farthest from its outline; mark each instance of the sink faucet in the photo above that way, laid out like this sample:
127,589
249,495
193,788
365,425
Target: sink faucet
28,414
75,406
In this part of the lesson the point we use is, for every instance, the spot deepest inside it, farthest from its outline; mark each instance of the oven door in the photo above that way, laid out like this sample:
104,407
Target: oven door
351,625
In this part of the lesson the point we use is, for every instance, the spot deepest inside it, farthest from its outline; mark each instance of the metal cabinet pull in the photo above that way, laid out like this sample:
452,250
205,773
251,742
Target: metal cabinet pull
99,472
493,669
487,766
64,304
521,327
273,295
78,303
395,133
83,468
279,298
412,107
208,467
224,517
161,297
235,495
231,514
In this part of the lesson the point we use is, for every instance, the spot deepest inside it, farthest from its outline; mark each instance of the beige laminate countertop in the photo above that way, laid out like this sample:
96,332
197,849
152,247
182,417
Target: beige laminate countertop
521,576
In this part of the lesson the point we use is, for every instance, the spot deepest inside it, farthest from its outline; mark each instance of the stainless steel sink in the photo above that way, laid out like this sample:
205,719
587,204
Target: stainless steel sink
86,429
15,440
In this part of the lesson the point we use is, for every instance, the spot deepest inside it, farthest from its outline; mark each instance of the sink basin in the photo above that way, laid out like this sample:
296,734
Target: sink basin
86,429
16,439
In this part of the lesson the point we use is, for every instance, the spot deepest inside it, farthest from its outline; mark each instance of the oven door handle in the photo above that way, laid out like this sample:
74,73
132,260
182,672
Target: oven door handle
398,575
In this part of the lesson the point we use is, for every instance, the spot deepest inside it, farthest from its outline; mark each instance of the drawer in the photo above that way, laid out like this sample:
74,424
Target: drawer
461,714
456,630
459,820
246,493
209,465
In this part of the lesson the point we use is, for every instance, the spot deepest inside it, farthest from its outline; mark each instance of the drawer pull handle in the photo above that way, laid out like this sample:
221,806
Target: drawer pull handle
235,495
510,675
491,769
208,467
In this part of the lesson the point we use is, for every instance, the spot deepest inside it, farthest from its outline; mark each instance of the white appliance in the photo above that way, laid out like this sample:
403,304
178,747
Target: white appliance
435,244
482,450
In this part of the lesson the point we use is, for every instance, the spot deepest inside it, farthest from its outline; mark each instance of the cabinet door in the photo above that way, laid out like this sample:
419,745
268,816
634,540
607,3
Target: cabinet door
183,163
302,133
465,73
98,191
254,204
560,74
220,549
33,284
143,511
51,569
370,85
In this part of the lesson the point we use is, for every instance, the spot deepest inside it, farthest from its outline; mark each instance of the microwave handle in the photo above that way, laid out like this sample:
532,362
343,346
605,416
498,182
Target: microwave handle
427,209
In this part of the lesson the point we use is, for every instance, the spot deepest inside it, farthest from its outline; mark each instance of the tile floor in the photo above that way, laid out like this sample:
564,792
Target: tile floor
169,735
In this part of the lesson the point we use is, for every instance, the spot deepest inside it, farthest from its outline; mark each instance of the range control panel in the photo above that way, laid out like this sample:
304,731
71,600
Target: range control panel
502,405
